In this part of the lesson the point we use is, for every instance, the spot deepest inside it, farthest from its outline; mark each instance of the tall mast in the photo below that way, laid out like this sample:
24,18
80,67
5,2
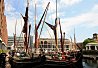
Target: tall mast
27,3
35,14
63,42
56,38
15,35
74,40
25,27
56,8
37,26
15,26
54,28
29,35
36,34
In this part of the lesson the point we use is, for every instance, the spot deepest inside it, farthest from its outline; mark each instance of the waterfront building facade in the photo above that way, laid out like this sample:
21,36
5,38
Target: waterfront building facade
3,25
49,44
92,46
19,42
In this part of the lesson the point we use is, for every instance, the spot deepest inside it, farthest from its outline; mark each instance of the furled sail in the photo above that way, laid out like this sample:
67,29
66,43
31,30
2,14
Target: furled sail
55,32
24,30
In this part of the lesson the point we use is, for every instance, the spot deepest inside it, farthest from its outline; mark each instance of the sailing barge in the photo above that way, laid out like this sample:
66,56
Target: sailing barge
72,59
28,59
58,59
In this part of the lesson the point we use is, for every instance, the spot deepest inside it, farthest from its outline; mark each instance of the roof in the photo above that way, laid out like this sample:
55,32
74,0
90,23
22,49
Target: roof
91,44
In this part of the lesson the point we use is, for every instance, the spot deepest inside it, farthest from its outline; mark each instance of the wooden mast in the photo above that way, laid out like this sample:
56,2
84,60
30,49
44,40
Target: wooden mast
75,44
25,27
54,28
29,34
15,36
62,38
74,40
26,34
36,34
37,26
56,38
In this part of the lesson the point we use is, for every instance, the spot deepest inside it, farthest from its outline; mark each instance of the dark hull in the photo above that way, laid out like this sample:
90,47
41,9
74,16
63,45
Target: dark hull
63,64
41,62
28,63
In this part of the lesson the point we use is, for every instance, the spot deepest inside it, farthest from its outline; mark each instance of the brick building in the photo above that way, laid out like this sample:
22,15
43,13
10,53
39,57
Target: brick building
3,24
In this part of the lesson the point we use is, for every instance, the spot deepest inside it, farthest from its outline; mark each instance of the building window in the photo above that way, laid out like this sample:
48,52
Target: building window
41,46
67,46
45,46
97,47
45,42
92,47
41,42
49,46
59,46
87,47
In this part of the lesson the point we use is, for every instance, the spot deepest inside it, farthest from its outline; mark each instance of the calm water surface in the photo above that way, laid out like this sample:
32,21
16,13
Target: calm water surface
90,63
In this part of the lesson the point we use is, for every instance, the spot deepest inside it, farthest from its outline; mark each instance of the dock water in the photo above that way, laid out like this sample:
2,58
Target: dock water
89,63
93,57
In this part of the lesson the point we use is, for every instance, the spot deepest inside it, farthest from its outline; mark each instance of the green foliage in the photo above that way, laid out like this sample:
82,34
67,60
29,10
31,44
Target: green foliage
88,41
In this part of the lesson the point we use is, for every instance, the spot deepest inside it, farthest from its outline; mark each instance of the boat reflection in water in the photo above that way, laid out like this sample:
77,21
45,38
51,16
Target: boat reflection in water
90,63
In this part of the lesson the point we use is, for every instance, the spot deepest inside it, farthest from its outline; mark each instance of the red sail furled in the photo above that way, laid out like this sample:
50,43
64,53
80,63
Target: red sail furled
25,28
25,21
55,32
51,26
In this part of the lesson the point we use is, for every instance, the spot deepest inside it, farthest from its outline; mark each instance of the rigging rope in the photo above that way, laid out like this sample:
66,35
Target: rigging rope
49,33
43,22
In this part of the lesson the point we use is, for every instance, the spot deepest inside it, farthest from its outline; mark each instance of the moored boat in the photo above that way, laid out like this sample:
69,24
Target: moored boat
68,61
27,59
63,59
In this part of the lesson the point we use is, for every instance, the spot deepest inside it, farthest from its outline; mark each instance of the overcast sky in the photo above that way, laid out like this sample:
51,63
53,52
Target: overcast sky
81,15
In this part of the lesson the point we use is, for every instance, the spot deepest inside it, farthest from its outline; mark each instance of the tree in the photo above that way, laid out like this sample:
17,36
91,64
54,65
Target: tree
88,41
